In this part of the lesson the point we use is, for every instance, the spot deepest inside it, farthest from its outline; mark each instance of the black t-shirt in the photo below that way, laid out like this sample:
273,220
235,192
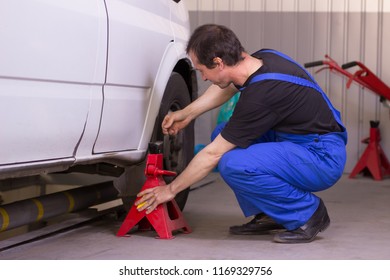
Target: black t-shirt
278,105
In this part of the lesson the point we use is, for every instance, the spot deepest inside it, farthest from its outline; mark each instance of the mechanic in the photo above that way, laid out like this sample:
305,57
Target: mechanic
283,142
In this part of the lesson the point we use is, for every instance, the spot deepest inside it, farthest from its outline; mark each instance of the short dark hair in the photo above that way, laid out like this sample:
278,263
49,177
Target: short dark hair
211,40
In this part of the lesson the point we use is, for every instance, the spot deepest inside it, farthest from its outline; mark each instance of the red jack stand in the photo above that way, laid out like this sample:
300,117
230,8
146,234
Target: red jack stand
167,217
373,158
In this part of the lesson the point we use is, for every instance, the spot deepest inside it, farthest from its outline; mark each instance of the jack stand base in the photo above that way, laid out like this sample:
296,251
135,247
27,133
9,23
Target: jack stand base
167,217
373,158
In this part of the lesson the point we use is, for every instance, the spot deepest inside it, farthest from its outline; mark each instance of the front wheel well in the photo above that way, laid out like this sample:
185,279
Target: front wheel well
185,69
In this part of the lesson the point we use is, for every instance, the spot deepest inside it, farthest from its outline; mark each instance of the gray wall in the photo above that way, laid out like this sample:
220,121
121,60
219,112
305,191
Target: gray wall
306,30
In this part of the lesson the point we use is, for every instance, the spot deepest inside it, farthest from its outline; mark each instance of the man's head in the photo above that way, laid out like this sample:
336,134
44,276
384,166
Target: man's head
214,48
210,41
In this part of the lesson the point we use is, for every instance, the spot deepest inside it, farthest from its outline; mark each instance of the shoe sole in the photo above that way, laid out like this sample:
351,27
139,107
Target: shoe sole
322,229
265,232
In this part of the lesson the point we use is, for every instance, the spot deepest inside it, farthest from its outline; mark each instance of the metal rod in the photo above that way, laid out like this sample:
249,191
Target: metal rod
32,210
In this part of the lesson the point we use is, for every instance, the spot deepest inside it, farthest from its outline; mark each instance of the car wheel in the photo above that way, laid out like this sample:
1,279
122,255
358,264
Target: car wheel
178,150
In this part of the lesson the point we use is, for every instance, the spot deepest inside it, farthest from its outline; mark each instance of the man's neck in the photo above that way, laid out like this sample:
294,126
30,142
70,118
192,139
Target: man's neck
245,68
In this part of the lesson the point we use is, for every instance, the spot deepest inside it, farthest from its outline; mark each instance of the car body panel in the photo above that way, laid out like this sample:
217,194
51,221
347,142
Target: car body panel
82,82
132,69
46,88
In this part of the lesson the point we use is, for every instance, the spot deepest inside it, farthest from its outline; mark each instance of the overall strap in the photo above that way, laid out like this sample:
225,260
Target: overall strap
289,59
286,78
298,81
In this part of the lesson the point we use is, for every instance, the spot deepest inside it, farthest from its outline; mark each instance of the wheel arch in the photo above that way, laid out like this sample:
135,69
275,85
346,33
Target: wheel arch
185,69
178,66
173,61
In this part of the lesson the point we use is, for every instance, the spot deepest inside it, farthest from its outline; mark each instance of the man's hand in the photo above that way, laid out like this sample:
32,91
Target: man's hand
174,122
198,168
151,198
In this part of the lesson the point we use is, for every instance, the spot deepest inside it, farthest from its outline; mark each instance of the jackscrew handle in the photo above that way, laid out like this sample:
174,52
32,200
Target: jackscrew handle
165,172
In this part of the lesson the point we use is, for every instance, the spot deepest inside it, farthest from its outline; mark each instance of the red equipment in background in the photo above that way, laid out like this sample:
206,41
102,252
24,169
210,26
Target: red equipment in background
363,76
167,217
373,159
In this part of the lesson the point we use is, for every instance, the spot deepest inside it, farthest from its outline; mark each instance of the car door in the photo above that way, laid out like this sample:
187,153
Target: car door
52,68
139,33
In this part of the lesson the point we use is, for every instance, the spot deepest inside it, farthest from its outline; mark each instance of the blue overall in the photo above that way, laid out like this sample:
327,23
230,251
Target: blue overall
277,174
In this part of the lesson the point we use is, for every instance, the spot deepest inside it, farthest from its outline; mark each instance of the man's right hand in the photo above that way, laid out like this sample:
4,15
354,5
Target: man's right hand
174,122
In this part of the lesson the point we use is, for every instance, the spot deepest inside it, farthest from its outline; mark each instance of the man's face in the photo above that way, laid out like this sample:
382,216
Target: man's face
215,75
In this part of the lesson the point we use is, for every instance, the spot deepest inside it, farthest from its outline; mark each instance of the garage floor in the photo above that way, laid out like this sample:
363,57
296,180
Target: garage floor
360,229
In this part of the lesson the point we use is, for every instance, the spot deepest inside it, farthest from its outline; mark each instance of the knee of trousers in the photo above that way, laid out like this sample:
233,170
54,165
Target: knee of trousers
231,169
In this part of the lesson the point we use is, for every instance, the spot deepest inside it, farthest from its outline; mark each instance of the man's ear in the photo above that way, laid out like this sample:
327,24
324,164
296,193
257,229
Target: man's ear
218,62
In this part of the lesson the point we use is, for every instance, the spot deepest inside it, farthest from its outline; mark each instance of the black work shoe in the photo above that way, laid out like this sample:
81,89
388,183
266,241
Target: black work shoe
261,224
306,233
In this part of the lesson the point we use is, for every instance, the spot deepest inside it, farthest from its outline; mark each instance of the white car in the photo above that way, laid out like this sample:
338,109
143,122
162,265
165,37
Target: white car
84,85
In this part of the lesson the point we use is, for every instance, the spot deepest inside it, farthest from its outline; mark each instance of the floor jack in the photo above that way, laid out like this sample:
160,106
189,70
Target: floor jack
167,217
373,159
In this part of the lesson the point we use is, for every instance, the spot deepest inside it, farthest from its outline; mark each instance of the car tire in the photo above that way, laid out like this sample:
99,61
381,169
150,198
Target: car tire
178,150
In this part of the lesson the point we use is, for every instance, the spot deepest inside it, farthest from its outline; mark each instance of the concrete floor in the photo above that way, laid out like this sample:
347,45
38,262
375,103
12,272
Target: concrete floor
360,230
